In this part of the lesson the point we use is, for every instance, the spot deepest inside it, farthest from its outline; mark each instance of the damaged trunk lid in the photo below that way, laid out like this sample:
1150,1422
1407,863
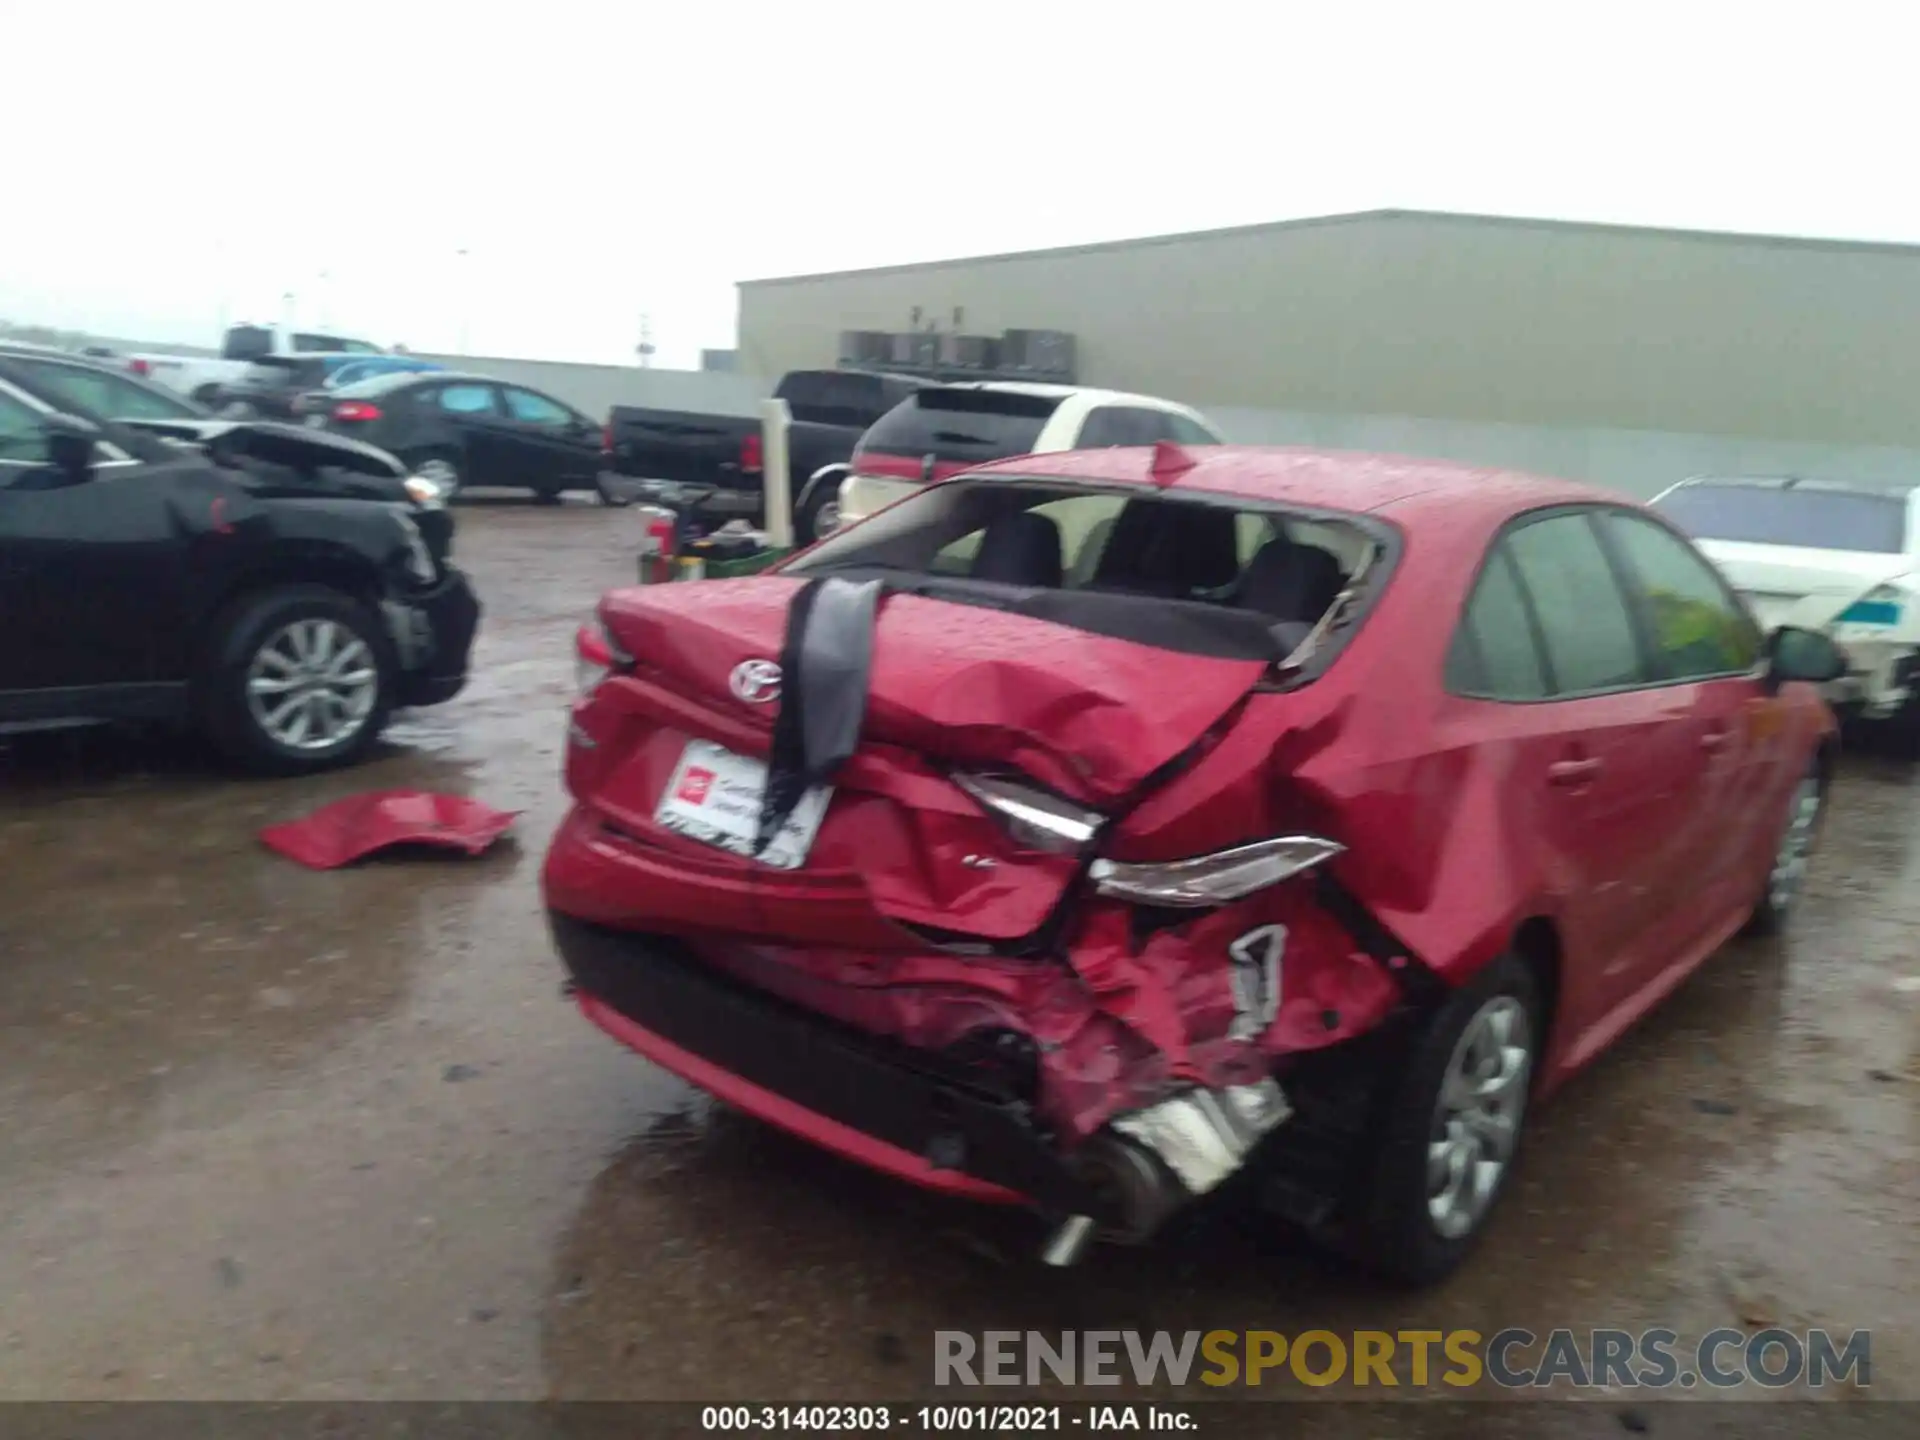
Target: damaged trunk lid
896,842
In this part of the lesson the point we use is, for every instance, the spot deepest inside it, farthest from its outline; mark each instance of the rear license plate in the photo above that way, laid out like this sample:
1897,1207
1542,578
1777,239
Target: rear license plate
714,796
316,421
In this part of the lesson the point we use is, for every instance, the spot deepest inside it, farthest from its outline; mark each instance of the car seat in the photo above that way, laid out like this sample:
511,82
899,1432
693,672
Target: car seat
1291,581
1020,549
1174,551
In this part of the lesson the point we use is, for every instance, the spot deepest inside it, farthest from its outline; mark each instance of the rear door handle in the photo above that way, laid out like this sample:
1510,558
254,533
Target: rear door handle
1572,772
1714,740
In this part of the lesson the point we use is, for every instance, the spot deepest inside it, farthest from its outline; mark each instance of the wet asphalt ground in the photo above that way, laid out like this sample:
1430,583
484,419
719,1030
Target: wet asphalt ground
270,1133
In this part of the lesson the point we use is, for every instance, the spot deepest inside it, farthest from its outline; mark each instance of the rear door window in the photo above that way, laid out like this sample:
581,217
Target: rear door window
1582,611
531,409
1110,425
1188,432
966,427
468,400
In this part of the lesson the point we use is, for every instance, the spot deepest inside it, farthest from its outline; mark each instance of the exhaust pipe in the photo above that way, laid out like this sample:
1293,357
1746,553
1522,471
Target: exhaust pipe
1137,1194
1069,1242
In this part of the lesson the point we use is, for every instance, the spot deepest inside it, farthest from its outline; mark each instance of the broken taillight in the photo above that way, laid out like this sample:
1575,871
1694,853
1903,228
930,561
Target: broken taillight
1216,879
1032,818
596,656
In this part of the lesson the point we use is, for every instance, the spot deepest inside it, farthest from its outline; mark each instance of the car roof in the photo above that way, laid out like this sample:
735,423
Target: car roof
1052,392
1355,481
1795,482
26,350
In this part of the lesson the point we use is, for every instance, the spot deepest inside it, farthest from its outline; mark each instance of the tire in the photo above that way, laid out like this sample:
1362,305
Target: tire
609,496
821,507
1902,730
440,467
296,638
549,497
1799,831
1400,1236
207,396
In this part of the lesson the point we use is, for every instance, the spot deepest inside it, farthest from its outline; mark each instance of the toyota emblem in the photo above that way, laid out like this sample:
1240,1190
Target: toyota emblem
755,681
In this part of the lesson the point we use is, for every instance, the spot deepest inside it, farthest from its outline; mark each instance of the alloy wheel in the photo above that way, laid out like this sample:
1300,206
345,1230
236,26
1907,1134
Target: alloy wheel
1796,845
1476,1121
313,685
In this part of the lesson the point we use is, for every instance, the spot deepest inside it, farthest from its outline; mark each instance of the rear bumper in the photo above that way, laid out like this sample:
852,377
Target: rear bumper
876,1102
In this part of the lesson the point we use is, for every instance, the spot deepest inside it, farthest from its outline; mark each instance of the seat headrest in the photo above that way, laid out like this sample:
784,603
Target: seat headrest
1291,581
1020,549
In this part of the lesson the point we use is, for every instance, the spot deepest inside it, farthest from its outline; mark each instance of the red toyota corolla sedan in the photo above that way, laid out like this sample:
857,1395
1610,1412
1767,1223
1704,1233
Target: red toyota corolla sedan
1092,830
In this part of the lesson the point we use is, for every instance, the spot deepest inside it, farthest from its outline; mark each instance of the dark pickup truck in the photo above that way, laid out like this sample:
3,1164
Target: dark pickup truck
709,467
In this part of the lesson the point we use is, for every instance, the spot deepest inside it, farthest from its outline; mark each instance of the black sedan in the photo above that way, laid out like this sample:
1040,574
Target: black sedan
467,430
230,578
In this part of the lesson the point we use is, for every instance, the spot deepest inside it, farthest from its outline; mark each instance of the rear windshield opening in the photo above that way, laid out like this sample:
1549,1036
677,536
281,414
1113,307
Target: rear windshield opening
1778,515
1206,575
965,427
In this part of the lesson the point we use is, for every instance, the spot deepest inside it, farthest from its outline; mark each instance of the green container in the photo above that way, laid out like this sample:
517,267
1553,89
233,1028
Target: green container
693,565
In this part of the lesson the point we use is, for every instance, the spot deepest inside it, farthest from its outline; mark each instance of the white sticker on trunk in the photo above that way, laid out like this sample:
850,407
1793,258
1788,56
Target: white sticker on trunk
1256,980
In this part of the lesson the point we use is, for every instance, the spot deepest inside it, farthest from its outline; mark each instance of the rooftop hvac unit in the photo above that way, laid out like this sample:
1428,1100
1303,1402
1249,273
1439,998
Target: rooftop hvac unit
865,347
969,352
1045,354
916,351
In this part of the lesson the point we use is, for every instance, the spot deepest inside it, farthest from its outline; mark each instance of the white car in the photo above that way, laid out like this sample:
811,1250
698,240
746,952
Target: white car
944,429
1827,556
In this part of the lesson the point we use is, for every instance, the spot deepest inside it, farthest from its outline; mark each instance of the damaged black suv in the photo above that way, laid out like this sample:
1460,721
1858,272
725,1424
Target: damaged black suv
279,592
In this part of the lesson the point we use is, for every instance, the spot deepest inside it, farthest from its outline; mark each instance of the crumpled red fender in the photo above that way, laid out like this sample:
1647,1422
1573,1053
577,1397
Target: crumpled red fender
359,825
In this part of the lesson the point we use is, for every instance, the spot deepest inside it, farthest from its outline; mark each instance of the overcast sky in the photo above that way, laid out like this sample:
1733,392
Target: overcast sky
169,166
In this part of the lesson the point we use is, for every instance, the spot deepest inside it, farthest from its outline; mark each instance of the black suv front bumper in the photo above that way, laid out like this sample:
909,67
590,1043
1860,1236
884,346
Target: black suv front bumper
433,632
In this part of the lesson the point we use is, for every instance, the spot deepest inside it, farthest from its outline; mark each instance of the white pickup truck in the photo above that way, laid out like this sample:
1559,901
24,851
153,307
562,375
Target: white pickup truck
201,377
1843,558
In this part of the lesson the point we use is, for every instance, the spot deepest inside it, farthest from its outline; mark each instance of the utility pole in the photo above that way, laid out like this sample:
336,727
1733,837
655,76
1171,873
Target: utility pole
466,300
645,348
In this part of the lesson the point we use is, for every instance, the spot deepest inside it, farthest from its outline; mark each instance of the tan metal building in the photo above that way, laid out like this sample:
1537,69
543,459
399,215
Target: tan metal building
1541,325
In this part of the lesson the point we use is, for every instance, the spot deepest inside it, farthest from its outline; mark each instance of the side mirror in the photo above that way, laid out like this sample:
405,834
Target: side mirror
1811,656
71,444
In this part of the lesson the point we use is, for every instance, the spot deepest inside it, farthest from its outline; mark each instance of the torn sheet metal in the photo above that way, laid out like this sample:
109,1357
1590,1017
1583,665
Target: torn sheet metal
1203,1136
360,825
1088,716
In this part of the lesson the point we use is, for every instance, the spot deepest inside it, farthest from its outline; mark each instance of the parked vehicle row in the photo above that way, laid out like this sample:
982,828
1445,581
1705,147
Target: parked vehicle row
467,430
713,464
277,591
205,379
1091,828
859,440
